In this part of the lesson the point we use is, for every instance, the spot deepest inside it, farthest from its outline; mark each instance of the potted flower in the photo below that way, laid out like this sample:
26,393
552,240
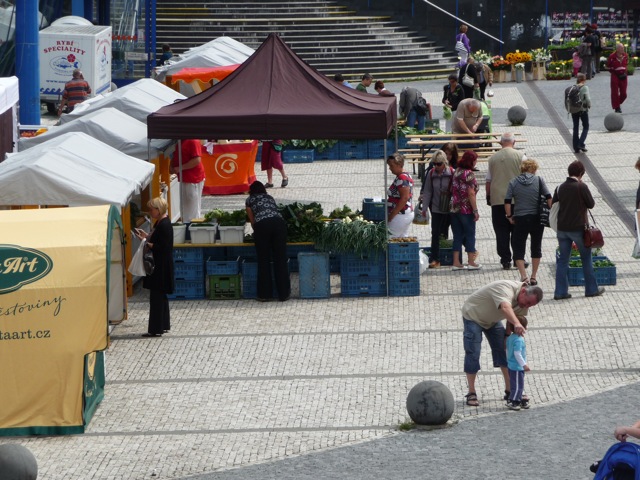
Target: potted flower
519,70
500,68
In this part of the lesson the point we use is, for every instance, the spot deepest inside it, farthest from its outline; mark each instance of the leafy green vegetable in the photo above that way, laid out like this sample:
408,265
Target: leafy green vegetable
353,236
227,219
304,222
318,145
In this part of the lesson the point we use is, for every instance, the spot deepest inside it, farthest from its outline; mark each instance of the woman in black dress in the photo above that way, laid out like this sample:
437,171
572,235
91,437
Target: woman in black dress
270,234
160,282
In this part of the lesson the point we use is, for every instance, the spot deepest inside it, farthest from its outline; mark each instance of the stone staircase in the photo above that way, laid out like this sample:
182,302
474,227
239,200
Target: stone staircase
328,36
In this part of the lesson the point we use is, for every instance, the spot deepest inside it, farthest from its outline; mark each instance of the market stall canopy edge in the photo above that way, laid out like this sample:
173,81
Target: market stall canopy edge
275,94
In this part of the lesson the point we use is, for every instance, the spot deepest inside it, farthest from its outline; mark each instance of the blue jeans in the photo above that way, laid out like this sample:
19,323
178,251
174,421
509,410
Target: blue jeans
472,341
565,239
411,119
578,140
463,227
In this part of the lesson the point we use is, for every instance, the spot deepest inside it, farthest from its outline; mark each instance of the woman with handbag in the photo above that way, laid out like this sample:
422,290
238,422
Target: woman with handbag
526,191
437,198
464,212
617,65
463,48
468,78
160,282
575,201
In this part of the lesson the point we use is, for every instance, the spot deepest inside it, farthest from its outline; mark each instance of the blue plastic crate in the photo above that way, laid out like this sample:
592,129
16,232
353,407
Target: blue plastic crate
446,255
372,210
331,153
259,154
404,251
334,263
293,249
188,271
372,286
353,150
215,253
188,255
244,252
352,265
404,287
375,149
223,267
604,275
250,280
409,269
297,156
314,275
185,290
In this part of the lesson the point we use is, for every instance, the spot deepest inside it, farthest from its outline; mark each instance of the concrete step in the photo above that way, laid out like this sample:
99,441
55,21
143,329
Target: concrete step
329,36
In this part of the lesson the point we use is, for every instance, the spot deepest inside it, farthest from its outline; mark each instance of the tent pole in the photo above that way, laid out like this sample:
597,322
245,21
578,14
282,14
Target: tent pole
180,179
386,212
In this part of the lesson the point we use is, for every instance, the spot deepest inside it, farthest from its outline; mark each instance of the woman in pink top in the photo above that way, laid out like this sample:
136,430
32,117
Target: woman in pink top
464,211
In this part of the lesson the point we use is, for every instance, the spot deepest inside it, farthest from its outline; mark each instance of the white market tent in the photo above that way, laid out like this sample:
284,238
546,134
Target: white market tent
137,100
75,170
220,52
111,126
9,96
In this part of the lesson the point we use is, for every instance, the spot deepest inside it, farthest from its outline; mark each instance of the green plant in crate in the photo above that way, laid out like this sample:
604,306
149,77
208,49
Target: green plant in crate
317,145
344,212
227,219
304,221
353,236
596,263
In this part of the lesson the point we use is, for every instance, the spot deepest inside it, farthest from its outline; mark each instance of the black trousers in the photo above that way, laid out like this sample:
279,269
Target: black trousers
503,230
525,226
159,317
270,236
439,225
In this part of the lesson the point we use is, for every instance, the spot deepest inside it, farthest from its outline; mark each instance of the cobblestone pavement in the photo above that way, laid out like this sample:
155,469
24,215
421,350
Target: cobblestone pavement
317,388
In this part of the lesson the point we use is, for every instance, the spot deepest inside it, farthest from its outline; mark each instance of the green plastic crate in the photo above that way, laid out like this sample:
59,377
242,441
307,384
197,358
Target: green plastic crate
224,287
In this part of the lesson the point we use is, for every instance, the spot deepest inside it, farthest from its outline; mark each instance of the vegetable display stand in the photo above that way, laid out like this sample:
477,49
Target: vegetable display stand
314,275
231,234
224,287
297,156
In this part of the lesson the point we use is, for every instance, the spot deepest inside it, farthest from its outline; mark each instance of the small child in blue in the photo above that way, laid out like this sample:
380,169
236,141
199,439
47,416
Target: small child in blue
517,365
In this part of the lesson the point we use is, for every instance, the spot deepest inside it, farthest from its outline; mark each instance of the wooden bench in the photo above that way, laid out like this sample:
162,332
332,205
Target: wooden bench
484,144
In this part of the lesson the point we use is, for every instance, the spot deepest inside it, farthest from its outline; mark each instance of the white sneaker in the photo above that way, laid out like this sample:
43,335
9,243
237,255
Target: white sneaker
513,406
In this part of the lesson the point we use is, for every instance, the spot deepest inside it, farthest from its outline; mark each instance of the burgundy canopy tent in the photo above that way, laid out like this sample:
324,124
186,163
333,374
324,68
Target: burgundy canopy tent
275,94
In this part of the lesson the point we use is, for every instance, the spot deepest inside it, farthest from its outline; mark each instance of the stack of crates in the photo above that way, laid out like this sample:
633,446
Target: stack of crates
224,279
292,253
314,278
404,269
188,268
363,275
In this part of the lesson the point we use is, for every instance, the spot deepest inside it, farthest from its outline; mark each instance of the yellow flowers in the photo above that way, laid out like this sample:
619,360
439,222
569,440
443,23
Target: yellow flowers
518,57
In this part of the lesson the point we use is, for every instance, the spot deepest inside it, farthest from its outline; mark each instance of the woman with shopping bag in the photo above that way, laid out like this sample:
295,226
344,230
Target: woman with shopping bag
160,282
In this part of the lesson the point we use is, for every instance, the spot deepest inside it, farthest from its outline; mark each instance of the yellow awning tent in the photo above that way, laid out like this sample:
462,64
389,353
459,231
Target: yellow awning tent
62,279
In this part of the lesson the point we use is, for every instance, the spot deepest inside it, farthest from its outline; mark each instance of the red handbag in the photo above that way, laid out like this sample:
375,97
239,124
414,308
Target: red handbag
593,235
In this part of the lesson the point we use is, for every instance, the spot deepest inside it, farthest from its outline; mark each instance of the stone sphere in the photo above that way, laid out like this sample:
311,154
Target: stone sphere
17,463
517,115
613,122
430,403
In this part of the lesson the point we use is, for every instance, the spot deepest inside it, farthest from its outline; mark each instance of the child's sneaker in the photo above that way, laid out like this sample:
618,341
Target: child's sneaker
513,406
